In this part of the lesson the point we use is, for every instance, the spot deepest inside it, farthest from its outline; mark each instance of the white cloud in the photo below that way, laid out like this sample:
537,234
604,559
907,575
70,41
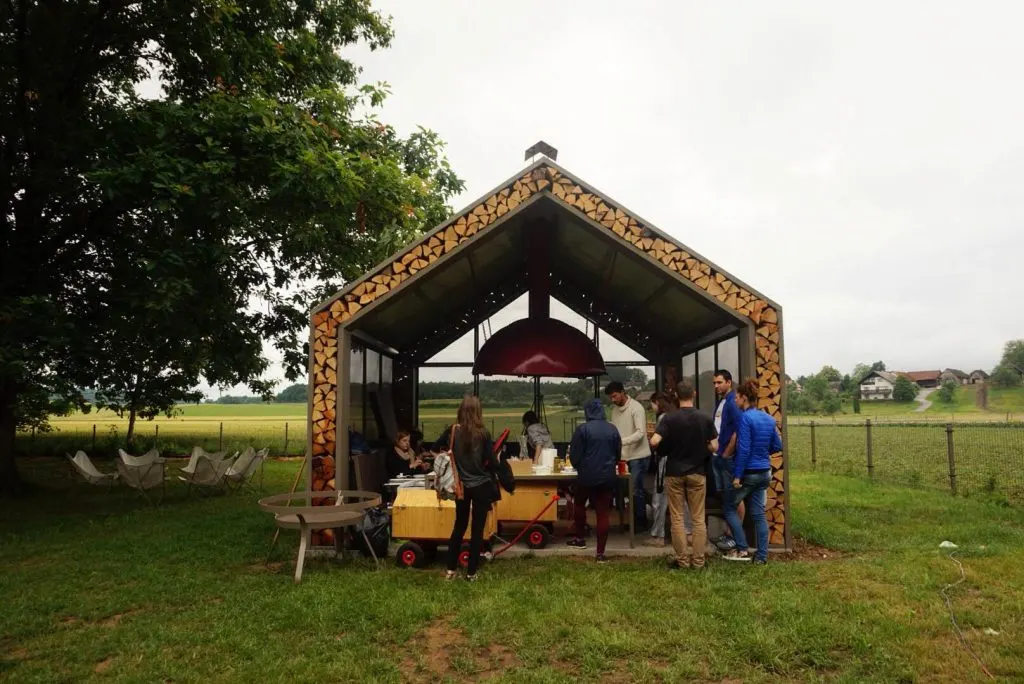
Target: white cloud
860,164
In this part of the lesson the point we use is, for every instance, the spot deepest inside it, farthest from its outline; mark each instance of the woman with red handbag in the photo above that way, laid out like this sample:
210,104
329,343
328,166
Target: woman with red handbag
471,449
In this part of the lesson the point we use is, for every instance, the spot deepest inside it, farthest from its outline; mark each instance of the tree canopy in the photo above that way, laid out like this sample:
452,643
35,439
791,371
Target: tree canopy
904,389
148,242
1010,370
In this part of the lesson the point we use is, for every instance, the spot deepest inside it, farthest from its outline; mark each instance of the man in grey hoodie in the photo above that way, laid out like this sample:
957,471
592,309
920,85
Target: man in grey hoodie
630,419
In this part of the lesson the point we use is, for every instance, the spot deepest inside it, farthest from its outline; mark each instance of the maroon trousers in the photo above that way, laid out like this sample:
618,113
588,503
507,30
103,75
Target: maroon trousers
601,498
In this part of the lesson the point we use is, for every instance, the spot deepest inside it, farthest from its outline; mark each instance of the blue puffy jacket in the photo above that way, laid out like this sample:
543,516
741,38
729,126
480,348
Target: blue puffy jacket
757,437
595,447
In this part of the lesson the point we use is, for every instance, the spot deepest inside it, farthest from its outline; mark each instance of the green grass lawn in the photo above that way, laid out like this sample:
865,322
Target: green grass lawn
103,587
963,401
1003,399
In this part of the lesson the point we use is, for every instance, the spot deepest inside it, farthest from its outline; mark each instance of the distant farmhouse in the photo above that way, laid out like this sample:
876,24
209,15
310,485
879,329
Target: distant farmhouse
954,375
978,377
924,379
877,385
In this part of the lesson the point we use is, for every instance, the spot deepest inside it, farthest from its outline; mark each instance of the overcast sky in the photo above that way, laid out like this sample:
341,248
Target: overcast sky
863,166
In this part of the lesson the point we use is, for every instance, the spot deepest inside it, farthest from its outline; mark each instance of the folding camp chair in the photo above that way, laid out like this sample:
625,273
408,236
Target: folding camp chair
89,473
143,478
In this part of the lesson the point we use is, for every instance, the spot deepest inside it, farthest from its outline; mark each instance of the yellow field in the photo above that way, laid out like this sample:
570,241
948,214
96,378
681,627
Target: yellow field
281,427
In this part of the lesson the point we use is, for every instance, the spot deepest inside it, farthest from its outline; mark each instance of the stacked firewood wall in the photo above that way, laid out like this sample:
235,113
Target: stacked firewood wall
481,217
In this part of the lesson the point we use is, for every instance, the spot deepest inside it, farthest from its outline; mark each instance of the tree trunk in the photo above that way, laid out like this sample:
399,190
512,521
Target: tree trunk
11,484
131,426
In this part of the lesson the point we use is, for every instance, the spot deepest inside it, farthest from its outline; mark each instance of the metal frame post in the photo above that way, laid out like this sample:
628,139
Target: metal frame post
871,464
814,447
952,457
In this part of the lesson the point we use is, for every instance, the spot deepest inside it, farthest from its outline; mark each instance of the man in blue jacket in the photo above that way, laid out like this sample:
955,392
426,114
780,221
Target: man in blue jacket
594,450
727,417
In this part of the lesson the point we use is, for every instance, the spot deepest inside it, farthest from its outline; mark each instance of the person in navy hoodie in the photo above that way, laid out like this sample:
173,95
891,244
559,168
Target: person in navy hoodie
594,450
757,438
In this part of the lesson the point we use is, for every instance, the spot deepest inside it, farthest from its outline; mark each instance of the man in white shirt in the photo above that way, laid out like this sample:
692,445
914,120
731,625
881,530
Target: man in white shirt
630,419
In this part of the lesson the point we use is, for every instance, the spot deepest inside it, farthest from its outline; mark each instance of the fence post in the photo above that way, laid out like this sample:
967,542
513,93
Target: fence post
871,464
285,438
94,437
156,438
220,439
952,457
814,447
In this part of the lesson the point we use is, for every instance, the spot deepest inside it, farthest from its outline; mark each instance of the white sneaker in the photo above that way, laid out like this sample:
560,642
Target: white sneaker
735,555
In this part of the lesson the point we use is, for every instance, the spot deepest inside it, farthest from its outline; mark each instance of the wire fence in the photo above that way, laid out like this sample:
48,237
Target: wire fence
963,458
923,417
283,438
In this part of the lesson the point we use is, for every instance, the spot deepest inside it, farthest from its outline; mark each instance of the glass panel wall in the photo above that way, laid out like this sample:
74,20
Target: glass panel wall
729,357
372,378
699,368
357,401
705,379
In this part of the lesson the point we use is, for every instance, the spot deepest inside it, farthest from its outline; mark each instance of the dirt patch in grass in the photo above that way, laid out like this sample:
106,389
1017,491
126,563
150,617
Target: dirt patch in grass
114,620
103,665
445,652
804,550
267,567
71,621
19,654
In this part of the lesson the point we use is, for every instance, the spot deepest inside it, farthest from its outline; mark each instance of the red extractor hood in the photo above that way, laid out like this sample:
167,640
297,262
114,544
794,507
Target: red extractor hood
538,344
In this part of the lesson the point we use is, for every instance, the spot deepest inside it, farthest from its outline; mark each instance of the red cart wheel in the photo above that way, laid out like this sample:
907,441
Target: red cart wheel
537,537
464,556
410,555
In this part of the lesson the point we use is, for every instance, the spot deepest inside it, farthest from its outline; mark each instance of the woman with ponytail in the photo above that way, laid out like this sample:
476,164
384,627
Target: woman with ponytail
757,438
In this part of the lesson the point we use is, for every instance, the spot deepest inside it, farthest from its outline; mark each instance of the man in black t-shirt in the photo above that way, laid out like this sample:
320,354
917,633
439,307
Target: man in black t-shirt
687,438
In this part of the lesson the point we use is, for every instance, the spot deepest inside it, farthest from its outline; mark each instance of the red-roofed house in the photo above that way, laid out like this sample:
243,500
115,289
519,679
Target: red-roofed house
929,378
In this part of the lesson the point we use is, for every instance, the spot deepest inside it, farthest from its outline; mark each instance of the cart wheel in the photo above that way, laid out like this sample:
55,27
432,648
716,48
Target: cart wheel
410,555
464,556
537,537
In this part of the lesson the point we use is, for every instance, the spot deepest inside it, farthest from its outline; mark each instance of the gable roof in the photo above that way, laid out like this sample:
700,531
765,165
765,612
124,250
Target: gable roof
885,375
958,373
607,265
980,373
922,376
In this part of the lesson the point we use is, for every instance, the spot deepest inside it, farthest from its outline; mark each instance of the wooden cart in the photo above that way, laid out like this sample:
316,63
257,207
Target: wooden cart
534,491
525,503
425,523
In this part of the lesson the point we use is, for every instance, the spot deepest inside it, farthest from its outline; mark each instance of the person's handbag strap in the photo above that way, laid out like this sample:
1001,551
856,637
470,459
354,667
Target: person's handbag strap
455,469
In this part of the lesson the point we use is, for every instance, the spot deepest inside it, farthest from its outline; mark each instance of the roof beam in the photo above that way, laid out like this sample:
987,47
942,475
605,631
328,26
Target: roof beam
448,329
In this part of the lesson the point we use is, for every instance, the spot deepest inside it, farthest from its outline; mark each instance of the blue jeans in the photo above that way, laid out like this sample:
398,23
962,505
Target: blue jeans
637,471
754,487
721,468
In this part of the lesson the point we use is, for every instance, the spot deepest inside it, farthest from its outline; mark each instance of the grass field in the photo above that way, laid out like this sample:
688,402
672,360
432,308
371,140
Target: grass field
103,588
